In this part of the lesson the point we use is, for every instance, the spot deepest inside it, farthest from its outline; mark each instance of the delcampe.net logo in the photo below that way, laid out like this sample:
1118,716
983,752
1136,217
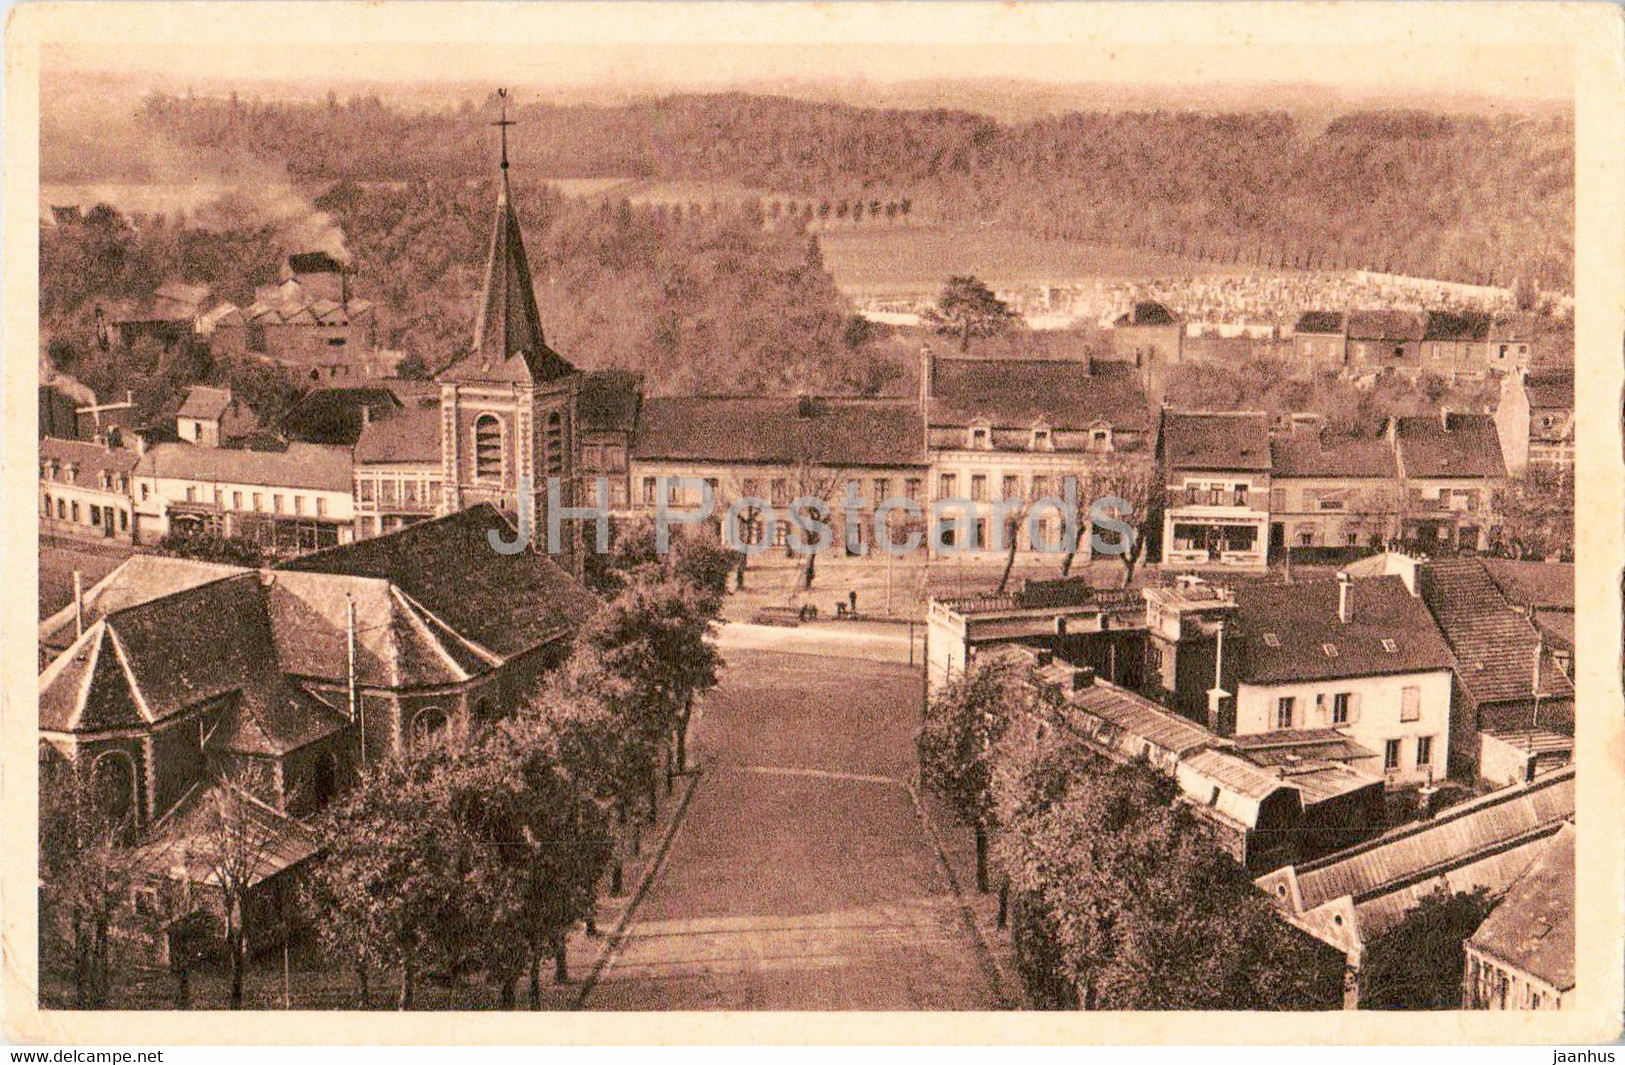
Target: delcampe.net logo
896,525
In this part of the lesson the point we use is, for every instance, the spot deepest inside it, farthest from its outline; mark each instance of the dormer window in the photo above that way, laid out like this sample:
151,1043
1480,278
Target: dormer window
1042,440
1329,649
1272,640
981,437
1100,439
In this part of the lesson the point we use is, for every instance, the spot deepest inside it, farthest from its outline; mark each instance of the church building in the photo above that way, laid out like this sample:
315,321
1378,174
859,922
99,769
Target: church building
508,418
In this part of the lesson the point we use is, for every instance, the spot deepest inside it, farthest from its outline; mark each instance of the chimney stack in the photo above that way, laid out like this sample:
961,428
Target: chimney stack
1444,418
1344,612
927,373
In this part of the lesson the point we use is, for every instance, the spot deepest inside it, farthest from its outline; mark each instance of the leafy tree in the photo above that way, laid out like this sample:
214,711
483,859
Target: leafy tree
212,547
1124,901
1537,516
963,724
1418,964
86,871
968,309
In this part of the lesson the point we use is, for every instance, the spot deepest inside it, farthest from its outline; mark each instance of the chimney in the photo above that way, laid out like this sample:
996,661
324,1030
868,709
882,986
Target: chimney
78,604
1444,418
928,373
1344,610
1217,697
366,415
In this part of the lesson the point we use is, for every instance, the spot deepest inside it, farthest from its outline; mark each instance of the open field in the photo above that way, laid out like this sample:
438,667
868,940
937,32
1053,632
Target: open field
889,259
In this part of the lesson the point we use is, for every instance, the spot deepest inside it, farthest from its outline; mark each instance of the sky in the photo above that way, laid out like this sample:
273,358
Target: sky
577,47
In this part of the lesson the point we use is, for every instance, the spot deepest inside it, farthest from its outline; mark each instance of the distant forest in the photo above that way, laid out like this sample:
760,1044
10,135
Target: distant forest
1474,199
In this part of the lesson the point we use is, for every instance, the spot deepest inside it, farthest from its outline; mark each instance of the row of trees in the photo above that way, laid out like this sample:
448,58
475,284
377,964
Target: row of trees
1116,895
1401,191
479,852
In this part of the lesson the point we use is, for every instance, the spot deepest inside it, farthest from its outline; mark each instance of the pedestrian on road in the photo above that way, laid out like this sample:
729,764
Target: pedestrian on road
852,602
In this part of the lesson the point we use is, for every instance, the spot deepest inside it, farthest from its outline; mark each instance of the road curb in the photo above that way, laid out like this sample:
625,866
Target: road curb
690,781
994,972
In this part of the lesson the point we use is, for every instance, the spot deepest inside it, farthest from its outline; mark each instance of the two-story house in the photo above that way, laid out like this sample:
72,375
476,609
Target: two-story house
1451,469
1216,468
1320,339
609,405
775,450
1017,430
297,499
85,489
1384,342
213,417
1453,345
1330,494
399,475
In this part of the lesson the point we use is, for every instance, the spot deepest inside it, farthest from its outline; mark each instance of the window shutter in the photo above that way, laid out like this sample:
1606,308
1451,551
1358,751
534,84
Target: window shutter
1354,707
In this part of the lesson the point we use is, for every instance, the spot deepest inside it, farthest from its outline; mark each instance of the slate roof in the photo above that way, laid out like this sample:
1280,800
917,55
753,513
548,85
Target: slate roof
609,401
1447,326
1311,455
1550,389
205,403
1216,441
508,342
1384,325
1147,312
1016,393
1532,929
506,604
313,466
1321,322
1486,843
181,840
147,662
334,415
274,719
1494,645
399,643
408,436
1120,718
836,431
1303,617
1470,447
136,580
88,460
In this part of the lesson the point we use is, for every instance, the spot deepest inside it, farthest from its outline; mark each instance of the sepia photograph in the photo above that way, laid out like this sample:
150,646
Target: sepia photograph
635,512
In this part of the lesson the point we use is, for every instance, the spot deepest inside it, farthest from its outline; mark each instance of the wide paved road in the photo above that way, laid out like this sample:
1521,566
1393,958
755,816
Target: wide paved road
801,877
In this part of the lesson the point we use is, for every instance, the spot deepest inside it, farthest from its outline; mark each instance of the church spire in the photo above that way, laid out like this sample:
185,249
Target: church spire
509,323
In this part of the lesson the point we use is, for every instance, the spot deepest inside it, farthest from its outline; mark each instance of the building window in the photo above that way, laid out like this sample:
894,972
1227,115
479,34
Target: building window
1390,646
236,501
1101,439
1241,495
386,490
259,501
95,514
487,448
555,443
947,485
1340,708
1424,750
428,726
1012,486
614,458
1284,707
1410,703
123,521
321,507
981,533
191,493
911,489
882,490
276,502
978,487
145,491
1390,755
979,439
715,486
780,491
409,490
1041,439
648,491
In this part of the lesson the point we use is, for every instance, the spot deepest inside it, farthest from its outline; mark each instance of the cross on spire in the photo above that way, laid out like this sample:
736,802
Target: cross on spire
503,123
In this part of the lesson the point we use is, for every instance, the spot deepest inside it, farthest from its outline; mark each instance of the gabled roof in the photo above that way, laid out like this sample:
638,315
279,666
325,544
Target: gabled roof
1216,441
315,467
1449,445
1303,619
274,719
1384,325
138,579
832,432
1321,322
205,403
1541,585
609,401
1017,393
408,436
182,840
87,459
507,604
508,343
1485,843
1494,645
1550,389
1532,930
337,416
147,662
1314,455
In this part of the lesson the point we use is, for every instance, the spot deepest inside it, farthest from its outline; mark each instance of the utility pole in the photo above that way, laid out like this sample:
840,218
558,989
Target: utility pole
354,694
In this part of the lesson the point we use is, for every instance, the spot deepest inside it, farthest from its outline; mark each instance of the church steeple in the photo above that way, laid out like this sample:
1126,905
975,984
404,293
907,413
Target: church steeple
508,340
